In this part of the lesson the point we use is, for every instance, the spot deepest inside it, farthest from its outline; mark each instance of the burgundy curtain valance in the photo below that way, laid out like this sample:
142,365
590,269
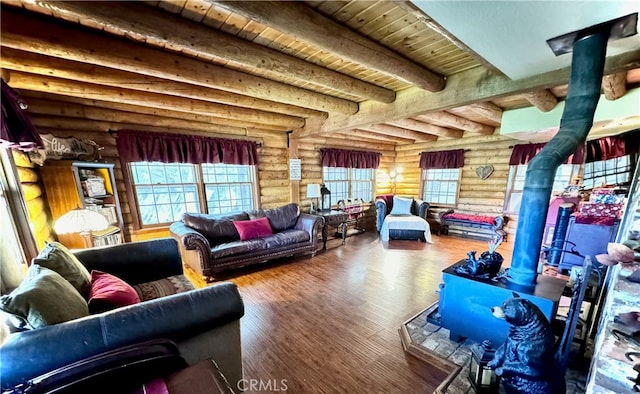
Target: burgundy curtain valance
523,153
177,148
349,158
442,159
16,129
595,150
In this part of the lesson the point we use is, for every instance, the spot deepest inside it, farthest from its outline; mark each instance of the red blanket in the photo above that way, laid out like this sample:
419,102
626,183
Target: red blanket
471,218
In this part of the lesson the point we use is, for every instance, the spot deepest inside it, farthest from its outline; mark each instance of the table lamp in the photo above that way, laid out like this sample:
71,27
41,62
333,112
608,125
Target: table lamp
313,191
82,221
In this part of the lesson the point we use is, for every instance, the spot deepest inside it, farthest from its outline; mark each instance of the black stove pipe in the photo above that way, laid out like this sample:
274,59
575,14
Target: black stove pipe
587,66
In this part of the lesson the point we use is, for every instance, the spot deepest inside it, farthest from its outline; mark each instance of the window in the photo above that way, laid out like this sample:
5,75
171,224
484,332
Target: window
440,186
348,183
517,174
616,171
164,191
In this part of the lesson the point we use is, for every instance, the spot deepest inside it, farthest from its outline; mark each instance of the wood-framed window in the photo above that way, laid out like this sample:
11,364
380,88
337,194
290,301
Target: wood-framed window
164,191
515,185
440,185
347,183
616,171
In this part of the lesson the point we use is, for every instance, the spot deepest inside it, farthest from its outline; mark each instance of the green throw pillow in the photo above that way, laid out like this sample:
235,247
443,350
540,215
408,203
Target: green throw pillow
57,257
44,298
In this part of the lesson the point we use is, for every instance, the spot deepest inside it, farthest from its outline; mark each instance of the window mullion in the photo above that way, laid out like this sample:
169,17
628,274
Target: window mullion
202,196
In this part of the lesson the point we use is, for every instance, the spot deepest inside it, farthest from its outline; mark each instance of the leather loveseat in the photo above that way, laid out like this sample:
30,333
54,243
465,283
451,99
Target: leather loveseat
204,323
211,244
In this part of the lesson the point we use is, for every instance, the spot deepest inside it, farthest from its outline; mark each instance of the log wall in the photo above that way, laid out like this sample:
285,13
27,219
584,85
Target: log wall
35,199
476,196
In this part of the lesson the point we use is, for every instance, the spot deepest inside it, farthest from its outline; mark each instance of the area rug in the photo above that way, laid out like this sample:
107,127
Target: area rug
431,343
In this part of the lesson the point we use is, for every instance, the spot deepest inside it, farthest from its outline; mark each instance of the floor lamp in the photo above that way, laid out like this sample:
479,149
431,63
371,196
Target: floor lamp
82,221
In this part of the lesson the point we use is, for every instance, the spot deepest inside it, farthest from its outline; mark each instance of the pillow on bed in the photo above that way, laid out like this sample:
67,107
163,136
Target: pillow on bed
401,206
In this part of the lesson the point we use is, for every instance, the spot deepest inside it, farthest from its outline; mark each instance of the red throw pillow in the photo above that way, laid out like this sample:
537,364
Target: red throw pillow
109,292
255,228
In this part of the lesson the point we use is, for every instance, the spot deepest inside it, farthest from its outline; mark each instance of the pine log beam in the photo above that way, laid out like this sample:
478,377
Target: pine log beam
298,20
542,99
146,24
463,88
42,65
614,85
457,122
486,109
38,83
426,128
51,39
380,136
101,110
400,132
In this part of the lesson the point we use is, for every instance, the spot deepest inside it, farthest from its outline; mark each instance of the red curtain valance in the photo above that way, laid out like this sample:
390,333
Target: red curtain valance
177,148
349,158
442,159
16,129
595,150
523,153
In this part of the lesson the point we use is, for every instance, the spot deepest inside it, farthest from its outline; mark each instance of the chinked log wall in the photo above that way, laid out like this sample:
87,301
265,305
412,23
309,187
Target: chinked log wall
35,198
477,196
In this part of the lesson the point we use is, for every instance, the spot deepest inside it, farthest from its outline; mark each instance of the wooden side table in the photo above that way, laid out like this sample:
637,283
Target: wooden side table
334,219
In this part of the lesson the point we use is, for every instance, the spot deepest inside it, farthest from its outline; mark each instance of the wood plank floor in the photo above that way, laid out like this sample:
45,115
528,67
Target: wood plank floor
329,324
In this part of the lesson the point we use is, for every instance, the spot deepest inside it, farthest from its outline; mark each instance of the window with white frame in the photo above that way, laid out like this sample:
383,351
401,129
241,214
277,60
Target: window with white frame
164,191
517,174
347,183
616,171
440,186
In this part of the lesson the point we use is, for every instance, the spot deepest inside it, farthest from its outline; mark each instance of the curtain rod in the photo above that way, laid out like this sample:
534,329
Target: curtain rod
464,150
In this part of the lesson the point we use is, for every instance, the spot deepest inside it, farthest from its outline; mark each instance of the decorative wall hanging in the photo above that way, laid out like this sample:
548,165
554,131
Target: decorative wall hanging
485,171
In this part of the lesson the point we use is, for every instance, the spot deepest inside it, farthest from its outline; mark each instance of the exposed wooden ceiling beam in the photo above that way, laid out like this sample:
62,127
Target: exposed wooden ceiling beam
380,136
146,24
42,65
486,109
400,132
614,85
426,128
298,20
38,36
463,88
350,135
28,96
64,87
542,99
457,122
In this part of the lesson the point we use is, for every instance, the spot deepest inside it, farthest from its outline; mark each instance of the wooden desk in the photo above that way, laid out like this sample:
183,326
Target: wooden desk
334,219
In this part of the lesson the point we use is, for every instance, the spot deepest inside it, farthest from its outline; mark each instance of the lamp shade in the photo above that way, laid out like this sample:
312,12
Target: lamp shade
313,190
80,221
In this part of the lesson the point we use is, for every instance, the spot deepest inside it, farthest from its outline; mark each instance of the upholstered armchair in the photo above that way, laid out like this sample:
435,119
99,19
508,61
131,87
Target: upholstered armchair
402,218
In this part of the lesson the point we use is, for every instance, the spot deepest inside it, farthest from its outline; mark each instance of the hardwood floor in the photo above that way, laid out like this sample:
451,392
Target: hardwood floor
329,324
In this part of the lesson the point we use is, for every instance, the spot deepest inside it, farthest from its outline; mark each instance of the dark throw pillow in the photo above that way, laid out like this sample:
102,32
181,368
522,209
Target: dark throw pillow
110,292
57,257
281,218
251,229
44,298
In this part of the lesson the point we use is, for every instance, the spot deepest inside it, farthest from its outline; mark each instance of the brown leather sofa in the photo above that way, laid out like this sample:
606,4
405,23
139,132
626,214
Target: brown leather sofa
210,244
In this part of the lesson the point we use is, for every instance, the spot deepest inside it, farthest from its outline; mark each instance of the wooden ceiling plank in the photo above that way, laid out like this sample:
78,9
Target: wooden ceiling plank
174,33
457,122
354,137
299,20
486,109
464,88
37,64
542,99
38,83
30,35
400,132
426,128
614,85
380,136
